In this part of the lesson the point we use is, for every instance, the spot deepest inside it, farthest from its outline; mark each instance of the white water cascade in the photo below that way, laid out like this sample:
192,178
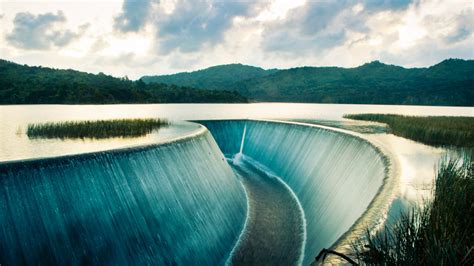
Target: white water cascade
238,157
173,204
333,175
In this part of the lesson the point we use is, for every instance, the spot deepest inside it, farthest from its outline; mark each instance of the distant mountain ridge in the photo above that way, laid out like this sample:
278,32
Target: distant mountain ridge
451,82
22,84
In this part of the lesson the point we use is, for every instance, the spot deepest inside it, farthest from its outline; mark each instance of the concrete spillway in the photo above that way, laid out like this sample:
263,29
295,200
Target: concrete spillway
334,176
293,190
172,204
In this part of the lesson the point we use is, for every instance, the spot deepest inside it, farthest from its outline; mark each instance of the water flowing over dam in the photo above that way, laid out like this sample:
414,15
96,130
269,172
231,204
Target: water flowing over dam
238,192
173,204
334,176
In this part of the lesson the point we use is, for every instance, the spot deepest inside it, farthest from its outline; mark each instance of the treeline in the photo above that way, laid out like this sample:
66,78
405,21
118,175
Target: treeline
449,83
22,84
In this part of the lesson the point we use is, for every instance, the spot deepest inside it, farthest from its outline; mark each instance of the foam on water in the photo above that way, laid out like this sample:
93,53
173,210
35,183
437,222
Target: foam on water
178,203
238,156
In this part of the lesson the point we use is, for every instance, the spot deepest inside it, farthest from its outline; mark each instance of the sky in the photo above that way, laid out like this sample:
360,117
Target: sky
153,37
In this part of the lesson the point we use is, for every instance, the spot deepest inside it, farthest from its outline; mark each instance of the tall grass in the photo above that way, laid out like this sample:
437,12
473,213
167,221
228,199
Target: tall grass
441,233
95,129
432,130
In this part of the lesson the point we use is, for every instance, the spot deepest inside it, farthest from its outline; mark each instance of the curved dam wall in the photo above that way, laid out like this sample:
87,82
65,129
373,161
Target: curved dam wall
335,176
176,203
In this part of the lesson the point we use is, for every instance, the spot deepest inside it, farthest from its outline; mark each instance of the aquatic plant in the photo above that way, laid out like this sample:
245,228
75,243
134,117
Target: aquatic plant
432,130
441,233
95,129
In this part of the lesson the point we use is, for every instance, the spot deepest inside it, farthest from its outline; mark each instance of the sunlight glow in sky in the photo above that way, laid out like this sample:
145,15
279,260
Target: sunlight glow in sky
148,37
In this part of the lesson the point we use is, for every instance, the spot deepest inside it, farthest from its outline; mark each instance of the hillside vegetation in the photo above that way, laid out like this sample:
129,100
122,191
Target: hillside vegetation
22,84
450,82
213,78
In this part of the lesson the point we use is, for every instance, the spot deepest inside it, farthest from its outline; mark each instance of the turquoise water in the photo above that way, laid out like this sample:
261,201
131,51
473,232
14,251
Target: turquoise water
173,204
334,176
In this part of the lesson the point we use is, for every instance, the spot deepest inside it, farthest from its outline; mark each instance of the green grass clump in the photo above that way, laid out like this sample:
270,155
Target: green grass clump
441,233
431,130
95,129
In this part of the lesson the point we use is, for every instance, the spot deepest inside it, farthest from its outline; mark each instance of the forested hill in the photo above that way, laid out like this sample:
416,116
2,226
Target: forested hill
450,82
213,78
21,84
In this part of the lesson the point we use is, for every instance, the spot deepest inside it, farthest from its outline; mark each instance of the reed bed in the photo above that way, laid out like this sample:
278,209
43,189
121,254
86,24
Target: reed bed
441,233
431,130
95,129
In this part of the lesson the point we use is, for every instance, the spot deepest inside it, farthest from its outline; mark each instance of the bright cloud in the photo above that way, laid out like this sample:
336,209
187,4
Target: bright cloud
41,31
142,37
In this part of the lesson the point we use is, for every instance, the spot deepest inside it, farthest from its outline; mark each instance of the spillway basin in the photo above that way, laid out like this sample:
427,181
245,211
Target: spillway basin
275,230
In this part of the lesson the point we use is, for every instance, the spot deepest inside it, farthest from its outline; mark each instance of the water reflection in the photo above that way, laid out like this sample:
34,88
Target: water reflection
14,119
418,166
19,146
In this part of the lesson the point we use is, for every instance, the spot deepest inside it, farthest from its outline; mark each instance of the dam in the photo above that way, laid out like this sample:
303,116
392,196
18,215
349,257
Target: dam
334,176
230,192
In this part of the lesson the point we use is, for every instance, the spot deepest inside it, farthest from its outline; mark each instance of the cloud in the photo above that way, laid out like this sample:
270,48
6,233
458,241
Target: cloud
321,25
135,14
189,25
180,62
40,32
138,37
428,52
463,29
379,5
195,24
309,27
99,45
